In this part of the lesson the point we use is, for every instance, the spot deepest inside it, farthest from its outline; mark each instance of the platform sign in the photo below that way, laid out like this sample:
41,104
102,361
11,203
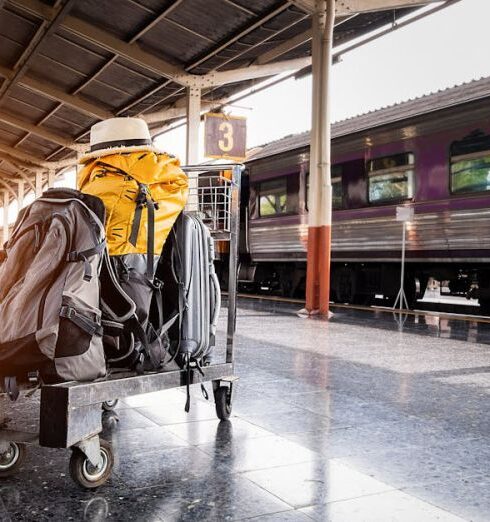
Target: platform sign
404,214
225,137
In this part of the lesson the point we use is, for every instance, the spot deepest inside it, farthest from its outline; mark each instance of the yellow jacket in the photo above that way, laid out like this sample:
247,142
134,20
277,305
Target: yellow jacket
118,179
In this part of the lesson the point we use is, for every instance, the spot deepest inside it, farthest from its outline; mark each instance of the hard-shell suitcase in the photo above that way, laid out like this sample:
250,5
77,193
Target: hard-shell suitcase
202,296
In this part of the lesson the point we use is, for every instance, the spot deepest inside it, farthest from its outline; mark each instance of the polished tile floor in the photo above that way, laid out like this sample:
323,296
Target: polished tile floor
363,418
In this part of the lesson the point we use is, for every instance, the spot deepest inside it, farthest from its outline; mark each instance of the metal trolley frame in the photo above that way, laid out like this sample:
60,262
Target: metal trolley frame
70,414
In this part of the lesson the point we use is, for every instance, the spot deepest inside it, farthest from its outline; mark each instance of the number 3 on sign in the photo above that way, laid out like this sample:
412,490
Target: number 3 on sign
226,144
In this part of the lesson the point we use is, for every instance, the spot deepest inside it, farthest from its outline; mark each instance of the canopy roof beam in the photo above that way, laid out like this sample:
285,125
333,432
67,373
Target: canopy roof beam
346,7
38,131
240,34
106,41
292,43
177,111
253,71
35,161
56,94
44,31
8,186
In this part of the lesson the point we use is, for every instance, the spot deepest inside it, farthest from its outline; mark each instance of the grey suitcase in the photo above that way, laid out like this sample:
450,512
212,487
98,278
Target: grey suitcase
200,288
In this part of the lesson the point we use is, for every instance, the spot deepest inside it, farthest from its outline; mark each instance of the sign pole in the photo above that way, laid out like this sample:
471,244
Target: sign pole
404,214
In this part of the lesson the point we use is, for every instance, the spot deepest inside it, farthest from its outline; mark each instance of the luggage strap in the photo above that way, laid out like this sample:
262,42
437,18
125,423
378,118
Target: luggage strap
144,199
112,328
86,324
11,388
75,256
197,366
140,333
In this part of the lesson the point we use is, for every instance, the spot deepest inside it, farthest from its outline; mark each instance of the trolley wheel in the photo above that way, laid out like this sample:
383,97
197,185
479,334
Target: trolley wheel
85,474
12,459
110,405
222,399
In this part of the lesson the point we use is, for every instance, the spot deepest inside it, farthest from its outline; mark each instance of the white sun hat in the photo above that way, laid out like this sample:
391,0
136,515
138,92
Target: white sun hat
117,135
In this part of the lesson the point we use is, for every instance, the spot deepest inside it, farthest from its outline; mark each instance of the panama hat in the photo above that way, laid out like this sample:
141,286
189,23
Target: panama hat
117,135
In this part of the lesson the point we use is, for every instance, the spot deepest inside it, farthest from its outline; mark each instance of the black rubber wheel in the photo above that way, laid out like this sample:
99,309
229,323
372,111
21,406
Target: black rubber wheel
87,476
12,459
110,405
222,401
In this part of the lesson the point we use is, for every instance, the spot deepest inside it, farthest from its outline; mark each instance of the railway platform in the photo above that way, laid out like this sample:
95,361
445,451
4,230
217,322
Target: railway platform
357,418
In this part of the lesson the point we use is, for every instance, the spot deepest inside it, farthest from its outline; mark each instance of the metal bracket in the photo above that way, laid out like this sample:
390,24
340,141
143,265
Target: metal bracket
91,449
231,379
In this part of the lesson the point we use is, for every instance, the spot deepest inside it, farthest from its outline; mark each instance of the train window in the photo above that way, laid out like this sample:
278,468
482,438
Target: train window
391,178
273,196
470,164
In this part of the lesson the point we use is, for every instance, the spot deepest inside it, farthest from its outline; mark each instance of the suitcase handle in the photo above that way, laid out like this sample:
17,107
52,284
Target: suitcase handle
217,302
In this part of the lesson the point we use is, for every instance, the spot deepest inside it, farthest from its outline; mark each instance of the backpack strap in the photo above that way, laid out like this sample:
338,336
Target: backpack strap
11,388
140,333
144,199
150,245
75,256
83,322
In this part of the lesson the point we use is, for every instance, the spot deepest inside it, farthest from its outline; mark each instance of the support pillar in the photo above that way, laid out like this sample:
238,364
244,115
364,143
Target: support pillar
51,178
39,184
20,193
5,229
192,141
320,193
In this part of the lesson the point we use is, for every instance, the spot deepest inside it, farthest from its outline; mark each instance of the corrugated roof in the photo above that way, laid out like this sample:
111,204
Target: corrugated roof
442,99
65,64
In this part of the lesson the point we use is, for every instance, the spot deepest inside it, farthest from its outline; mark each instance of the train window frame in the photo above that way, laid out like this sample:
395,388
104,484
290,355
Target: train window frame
282,179
467,157
406,168
336,177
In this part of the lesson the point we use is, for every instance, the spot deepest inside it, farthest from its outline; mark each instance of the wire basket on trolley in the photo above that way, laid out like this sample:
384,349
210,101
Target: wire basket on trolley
211,196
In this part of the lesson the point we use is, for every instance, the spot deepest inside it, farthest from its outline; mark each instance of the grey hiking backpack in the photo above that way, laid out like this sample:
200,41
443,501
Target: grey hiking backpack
50,317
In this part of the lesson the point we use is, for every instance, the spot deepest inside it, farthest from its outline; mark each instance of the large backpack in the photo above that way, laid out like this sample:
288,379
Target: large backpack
143,192
50,318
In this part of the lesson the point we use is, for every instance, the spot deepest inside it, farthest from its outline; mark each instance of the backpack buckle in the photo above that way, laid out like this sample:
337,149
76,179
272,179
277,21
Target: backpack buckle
72,257
68,312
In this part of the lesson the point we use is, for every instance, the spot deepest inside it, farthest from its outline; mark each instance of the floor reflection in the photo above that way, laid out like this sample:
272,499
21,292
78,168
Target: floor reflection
362,418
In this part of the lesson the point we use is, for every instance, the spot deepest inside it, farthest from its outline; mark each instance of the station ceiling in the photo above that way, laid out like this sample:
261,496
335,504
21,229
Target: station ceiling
66,64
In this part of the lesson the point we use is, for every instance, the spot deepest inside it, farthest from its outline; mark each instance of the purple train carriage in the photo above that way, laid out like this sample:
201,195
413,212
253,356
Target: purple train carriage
432,153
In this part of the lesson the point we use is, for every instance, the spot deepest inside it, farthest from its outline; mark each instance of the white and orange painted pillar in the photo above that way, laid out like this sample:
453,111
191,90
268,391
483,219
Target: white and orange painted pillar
320,191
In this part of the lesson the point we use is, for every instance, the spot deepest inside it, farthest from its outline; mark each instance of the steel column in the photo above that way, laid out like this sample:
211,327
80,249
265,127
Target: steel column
192,141
20,194
320,193
51,178
39,184
5,234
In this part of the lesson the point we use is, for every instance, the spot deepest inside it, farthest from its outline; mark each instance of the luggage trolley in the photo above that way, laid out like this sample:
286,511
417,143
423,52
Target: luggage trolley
69,415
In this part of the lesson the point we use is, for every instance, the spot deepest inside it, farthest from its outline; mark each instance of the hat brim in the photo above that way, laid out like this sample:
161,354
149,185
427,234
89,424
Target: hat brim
116,150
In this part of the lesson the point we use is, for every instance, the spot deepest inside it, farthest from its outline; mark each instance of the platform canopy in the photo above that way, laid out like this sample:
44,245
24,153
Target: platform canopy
67,64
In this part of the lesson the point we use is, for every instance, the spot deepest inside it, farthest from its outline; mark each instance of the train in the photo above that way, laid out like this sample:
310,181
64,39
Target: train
430,153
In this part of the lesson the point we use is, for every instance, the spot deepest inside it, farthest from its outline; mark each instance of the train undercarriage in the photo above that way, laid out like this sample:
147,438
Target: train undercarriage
365,283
